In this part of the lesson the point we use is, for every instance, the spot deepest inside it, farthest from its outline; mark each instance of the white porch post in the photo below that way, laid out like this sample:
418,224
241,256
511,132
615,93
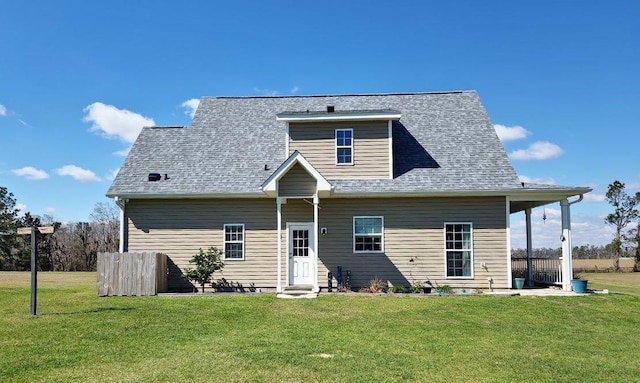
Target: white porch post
567,256
508,229
123,245
527,214
316,201
279,257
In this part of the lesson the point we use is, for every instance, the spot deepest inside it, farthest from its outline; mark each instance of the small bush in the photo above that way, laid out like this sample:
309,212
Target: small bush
206,264
398,289
375,285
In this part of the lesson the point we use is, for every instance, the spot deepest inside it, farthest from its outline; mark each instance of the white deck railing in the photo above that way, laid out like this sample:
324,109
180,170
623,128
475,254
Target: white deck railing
545,270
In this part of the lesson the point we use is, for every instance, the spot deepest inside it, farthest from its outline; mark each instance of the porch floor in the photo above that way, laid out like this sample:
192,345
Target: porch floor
547,291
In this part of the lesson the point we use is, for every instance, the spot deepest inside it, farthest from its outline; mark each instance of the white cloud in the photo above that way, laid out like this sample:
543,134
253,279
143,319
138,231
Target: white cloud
115,123
266,92
585,229
22,207
49,210
541,150
594,197
122,152
31,173
112,175
190,106
510,133
542,180
295,89
3,110
78,173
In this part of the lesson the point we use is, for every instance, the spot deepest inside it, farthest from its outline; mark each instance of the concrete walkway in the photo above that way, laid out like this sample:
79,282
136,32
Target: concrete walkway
541,292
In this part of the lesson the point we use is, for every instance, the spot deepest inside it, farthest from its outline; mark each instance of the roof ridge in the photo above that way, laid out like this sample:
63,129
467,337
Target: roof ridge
345,95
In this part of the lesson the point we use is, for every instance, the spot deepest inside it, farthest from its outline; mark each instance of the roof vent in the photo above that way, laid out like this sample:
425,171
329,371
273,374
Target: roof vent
154,177
331,109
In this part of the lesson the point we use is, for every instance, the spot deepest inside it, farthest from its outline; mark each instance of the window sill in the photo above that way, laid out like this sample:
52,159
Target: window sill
460,277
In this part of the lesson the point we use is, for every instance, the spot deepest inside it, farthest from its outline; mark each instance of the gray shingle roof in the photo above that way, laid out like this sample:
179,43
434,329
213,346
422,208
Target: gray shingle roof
443,142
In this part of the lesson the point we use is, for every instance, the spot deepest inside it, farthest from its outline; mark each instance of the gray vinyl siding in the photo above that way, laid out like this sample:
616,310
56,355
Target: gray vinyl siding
413,228
179,228
316,142
297,182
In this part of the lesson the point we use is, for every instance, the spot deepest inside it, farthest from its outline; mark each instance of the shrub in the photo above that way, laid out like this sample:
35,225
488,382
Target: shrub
206,264
375,285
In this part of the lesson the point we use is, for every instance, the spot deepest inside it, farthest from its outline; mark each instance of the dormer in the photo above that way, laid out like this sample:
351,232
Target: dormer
343,144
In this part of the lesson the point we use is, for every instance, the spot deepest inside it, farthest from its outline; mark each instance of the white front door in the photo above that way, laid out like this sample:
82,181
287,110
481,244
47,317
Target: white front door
301,257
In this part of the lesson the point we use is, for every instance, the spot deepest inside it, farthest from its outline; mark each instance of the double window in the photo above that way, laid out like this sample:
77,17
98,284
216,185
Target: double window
234,241
459,250
368,234
344,146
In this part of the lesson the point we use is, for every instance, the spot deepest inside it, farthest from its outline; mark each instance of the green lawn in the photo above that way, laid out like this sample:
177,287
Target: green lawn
80,337
622,283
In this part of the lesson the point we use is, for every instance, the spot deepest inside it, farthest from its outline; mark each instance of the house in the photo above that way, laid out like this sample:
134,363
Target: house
402,187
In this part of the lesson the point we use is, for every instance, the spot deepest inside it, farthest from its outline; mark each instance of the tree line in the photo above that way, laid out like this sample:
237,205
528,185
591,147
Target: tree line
72,247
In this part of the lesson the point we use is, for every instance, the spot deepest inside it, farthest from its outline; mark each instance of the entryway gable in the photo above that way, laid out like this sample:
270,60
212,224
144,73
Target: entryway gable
297,182
295,162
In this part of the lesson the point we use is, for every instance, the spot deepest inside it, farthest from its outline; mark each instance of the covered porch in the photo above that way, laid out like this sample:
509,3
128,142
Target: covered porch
549,271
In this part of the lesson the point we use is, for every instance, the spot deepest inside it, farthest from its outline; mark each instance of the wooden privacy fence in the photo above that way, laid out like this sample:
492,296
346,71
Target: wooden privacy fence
131,273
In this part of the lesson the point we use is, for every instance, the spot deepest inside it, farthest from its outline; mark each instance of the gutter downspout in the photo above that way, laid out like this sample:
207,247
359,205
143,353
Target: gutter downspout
567,250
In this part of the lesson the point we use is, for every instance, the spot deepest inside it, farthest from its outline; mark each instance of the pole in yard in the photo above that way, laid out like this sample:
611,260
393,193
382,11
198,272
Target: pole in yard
34,257
34,268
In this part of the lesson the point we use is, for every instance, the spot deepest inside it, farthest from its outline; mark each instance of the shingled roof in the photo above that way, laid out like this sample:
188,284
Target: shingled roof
444,142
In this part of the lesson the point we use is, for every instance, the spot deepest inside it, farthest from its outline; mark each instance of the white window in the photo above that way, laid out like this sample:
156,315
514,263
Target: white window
459,250
344,146
368,234
234,241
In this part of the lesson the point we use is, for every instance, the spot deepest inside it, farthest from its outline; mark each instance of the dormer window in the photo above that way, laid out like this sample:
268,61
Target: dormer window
344,146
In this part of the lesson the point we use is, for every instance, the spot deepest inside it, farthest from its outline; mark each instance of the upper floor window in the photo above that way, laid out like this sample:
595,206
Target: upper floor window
459,250
234,241
368,234
344,146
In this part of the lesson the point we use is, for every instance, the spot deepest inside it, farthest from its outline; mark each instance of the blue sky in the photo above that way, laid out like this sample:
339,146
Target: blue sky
78,79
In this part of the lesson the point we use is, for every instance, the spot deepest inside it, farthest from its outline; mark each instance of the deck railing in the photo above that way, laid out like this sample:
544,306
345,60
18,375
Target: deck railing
545,270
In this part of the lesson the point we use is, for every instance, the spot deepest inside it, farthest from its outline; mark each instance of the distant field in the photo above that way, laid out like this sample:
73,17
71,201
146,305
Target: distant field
78,336
626,264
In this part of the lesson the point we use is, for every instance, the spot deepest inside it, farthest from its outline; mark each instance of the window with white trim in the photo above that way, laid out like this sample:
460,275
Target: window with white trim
234,241
344,146
368,234
459,250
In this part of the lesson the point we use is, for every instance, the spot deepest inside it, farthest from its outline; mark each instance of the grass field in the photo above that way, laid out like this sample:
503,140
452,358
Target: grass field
621,283
80,337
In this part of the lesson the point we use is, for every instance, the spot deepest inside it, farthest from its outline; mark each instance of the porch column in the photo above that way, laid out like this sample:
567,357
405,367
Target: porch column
316,201
279,231
123,244
567,256
527,214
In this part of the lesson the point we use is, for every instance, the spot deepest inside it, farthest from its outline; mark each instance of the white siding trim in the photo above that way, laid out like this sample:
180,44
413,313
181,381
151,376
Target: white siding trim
444,232
123,228
279,256
336,116
390,128
288,138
